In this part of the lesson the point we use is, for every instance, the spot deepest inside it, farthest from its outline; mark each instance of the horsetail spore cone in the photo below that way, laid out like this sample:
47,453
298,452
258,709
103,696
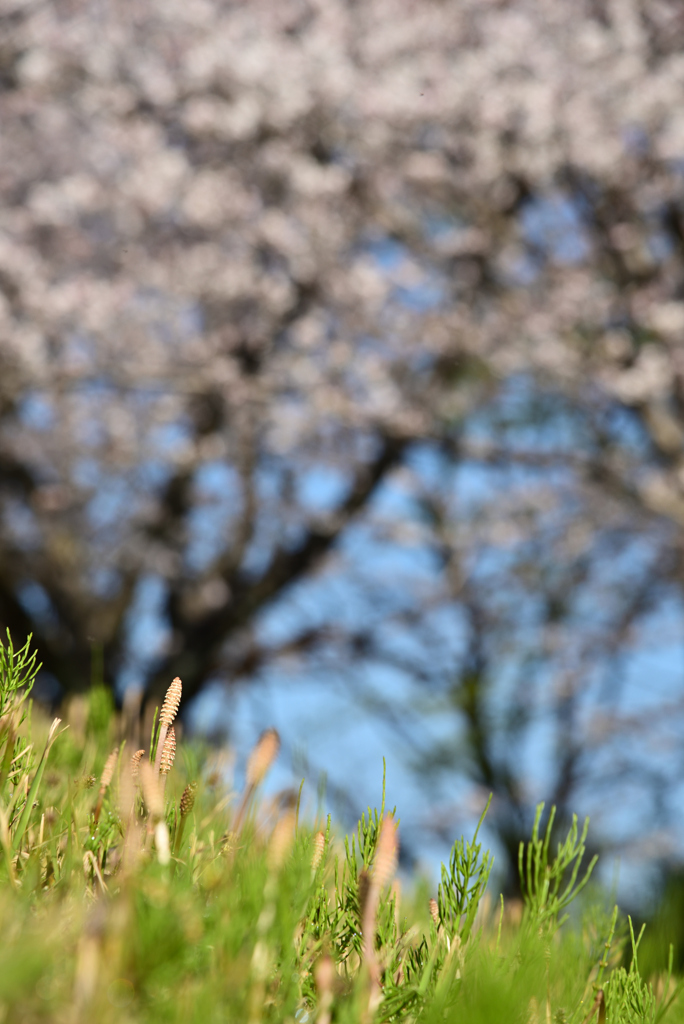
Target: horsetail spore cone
169,710
168,753
386,854
384,867
187,802
259,761
262,757
319,850
172,700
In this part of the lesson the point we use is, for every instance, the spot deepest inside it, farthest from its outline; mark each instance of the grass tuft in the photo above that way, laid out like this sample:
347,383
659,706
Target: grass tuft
177,900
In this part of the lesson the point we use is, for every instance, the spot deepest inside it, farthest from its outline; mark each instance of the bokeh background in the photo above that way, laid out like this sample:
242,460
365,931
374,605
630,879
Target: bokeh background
342,374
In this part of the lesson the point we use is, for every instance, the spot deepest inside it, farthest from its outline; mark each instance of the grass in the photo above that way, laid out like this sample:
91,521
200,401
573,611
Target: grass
137,887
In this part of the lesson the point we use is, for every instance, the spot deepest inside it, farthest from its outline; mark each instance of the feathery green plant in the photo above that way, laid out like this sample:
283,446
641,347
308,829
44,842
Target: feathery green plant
547,890
18,671
463,885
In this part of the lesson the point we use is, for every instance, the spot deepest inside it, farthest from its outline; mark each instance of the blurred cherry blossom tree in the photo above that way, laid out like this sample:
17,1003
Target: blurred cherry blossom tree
366,319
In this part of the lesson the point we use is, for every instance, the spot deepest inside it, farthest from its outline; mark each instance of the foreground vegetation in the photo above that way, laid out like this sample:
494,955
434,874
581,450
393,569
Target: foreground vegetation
134,886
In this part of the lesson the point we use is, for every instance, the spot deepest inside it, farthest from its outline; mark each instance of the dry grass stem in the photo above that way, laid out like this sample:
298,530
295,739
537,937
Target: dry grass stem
597,1010
90,864
152,792
128,790
364,884
324,977
107,776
